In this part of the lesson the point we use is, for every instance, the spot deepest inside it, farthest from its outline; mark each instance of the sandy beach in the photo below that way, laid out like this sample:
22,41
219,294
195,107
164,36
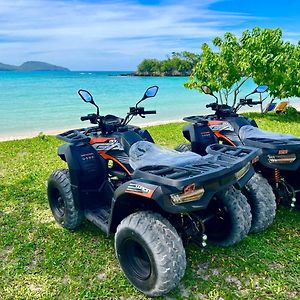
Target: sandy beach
55,132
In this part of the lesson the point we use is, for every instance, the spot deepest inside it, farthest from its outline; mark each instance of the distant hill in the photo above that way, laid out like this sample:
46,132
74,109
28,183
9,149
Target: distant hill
32,66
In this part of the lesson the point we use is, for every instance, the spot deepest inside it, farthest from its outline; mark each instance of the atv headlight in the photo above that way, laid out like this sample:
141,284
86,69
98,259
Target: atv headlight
282,158
187,196
242,172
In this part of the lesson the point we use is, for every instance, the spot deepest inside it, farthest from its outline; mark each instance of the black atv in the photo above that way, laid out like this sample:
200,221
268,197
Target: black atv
280,161
153,200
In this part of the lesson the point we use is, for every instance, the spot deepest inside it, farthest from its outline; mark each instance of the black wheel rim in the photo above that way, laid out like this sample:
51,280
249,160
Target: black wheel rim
218,221
57,203
138,263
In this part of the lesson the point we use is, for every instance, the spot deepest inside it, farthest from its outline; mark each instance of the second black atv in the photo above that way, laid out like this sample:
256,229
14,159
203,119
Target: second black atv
153,200
280,161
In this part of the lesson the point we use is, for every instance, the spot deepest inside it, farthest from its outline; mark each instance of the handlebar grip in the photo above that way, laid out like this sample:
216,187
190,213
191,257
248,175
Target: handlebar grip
85,118
150,112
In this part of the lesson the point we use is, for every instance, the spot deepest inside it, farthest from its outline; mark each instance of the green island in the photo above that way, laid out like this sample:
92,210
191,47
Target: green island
41,260
178,64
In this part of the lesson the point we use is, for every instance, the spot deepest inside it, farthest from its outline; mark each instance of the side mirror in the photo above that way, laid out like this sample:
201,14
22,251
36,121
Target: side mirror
150,92
261,89
206,90
86,96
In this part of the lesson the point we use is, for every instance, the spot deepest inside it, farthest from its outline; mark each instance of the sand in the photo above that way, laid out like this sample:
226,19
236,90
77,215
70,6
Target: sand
141,124
33,134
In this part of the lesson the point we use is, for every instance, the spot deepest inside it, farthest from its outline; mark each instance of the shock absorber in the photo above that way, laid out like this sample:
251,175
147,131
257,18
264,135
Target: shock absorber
289,190
276,177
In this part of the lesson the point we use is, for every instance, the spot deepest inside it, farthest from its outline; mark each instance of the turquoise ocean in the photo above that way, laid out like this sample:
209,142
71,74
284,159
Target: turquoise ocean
33,102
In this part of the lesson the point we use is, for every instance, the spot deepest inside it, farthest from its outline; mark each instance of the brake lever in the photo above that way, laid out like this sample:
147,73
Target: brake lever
142,116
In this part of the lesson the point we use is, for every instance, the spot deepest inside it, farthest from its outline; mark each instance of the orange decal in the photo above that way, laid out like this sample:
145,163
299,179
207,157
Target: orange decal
107,157
283,151
215,122
222,137
189,188
95,140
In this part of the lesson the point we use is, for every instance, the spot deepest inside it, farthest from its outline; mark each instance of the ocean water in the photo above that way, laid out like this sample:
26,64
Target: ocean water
32,102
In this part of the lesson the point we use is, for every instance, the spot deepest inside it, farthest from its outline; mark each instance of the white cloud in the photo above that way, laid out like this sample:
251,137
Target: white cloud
105,35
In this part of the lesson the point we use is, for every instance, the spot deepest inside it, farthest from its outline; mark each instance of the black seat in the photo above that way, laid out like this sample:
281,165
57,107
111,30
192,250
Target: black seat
249,132
143,153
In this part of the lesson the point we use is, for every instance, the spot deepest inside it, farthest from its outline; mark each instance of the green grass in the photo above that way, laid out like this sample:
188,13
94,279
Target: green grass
41,260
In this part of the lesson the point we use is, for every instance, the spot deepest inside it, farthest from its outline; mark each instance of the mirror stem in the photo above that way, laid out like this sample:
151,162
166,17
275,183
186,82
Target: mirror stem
249,95
139,102
97,108
215,97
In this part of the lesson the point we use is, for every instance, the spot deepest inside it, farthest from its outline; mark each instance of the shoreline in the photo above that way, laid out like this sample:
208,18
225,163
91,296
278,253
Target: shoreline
33,134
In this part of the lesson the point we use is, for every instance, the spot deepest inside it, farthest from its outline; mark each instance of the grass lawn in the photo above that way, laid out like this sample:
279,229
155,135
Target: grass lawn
41,260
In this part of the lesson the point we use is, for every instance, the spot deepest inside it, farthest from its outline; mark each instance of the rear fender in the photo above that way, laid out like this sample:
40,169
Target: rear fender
136,195
244,180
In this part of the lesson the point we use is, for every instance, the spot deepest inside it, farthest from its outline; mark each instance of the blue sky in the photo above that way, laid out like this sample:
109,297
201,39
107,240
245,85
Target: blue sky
117,35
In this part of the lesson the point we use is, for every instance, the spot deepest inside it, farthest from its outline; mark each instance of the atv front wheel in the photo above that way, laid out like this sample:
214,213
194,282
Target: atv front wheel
150,253
227,218
262,201
61,200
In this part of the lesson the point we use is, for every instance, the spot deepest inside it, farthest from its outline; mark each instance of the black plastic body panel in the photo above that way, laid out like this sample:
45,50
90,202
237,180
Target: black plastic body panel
200,136
88,173
161,194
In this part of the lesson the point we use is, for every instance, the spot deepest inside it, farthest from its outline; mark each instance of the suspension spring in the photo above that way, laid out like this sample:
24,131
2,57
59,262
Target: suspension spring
277,176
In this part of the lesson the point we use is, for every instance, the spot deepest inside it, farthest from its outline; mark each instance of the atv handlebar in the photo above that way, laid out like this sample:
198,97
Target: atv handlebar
150,112
249,102
93,118
85,118
211,105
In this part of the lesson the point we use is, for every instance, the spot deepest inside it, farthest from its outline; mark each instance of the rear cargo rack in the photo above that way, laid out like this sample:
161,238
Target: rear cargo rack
268,143
225,161
232,152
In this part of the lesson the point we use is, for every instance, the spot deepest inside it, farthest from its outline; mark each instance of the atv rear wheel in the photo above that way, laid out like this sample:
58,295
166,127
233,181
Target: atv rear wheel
184,147
228,218
150,253
61,200
262,201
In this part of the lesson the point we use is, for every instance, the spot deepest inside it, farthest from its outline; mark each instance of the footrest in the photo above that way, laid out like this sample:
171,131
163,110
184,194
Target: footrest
99,217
